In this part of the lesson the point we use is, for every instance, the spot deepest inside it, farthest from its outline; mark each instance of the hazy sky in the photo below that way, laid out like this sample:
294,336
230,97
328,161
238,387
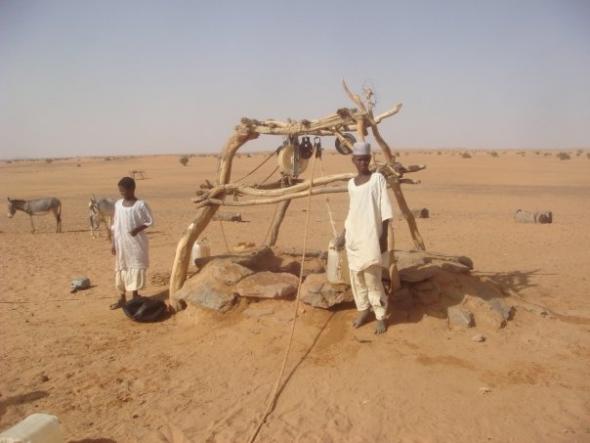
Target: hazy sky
101,77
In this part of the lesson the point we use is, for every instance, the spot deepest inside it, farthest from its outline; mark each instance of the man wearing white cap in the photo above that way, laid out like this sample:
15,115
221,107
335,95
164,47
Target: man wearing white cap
365,237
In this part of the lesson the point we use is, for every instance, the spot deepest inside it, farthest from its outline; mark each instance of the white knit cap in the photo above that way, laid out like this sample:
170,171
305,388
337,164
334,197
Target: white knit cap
361,148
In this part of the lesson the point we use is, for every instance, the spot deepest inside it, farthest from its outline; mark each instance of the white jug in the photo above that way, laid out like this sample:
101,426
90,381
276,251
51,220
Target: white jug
200,249
337,269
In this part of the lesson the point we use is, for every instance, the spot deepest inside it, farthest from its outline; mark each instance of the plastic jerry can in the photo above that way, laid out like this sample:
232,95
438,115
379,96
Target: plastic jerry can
200,249
337,267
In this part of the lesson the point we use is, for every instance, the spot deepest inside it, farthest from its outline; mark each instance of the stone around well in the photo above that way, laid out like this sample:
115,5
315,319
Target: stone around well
212,288
319,293
268,285
459,317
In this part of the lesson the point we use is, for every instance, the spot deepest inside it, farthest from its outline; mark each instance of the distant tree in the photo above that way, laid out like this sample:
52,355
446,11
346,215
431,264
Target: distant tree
563,156
466,155
494,154
183,160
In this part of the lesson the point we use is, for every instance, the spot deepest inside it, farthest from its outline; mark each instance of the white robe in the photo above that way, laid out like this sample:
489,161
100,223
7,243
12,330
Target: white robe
369,208
131,252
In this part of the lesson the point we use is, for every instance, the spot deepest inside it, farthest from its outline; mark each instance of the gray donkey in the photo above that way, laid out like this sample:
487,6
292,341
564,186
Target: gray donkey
39,206
101,210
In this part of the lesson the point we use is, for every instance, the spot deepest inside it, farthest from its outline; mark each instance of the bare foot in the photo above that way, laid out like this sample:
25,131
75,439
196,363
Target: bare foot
381,327
361,318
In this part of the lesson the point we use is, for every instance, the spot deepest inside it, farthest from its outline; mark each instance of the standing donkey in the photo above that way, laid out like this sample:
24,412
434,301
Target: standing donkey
101,211
39,206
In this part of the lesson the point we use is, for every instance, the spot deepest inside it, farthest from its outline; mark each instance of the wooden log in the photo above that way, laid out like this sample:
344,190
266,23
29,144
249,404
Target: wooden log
192,232
403,205
248,190
370,120
345,120
393,271
268,201
277,221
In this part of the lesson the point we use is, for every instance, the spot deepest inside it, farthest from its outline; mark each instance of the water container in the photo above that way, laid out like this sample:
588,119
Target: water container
36,428
200,249
337,269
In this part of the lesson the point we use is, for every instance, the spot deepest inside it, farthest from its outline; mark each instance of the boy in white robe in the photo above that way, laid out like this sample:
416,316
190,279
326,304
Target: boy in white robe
130,242
365,237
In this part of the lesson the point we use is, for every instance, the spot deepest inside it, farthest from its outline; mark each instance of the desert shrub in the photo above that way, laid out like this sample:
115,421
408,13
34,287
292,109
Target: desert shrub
107,159
588,155
48,160
466,155
439,153
183,160
537,153
579,152
494,154
563,156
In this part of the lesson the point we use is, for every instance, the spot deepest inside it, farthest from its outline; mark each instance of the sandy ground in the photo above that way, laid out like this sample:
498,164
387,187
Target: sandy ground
208,376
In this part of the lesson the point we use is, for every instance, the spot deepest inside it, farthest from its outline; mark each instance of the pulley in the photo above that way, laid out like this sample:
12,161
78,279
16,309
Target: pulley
341,147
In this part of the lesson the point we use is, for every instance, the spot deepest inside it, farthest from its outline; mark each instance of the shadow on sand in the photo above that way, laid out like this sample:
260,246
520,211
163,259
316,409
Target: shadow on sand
21,399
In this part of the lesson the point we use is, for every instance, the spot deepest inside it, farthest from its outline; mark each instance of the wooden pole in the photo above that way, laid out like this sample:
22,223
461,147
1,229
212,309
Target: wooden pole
192,232
403,205
277,221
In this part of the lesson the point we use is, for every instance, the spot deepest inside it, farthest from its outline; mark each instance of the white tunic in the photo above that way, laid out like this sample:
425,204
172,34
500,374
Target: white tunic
131,252
369,208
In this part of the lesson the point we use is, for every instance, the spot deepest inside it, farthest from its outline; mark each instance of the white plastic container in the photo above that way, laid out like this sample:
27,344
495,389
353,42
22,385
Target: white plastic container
200,249
337,268
36,428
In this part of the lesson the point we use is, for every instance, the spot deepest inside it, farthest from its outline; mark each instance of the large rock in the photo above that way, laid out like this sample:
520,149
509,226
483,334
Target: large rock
292,265
212,287
459,317
417,266
427,292
262,259
319,293
210,295
489,314
268,285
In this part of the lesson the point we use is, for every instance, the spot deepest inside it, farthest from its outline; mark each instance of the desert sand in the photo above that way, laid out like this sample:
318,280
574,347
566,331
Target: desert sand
203,376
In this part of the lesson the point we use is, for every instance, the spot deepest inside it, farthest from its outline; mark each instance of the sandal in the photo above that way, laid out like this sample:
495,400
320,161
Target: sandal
118,305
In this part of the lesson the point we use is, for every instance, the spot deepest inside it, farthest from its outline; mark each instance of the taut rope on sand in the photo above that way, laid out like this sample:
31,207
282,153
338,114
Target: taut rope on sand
275,392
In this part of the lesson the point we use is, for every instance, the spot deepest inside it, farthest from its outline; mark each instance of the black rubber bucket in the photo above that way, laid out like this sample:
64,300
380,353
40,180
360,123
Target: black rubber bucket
145,310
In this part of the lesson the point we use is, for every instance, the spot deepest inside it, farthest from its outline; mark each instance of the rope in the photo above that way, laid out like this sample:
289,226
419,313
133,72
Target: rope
223,235
269,176
330,213
275,393
268,157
